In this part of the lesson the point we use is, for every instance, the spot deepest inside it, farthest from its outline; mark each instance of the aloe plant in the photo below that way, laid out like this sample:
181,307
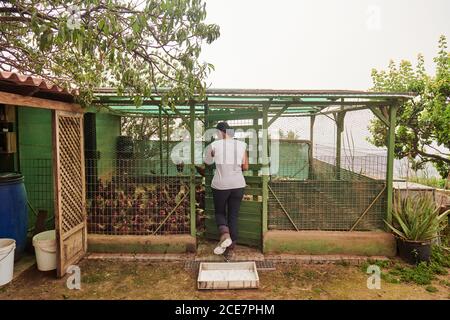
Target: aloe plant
417,218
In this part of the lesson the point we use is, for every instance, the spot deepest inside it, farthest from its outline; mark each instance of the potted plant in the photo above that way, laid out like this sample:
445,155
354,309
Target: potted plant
416,222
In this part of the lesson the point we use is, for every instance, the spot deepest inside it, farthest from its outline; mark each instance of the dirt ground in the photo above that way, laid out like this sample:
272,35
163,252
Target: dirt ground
138,280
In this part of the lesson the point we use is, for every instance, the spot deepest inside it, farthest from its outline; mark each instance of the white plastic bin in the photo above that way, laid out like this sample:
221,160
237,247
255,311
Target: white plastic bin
45,248
7,248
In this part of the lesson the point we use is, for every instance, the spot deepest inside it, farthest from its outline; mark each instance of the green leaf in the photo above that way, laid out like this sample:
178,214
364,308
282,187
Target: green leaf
46,40
417,218
102,25
75,54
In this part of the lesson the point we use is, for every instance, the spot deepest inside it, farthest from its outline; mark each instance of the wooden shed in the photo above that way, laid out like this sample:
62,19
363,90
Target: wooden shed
45,143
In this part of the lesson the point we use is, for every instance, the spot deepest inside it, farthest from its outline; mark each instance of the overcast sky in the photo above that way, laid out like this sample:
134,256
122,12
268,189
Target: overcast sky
320,44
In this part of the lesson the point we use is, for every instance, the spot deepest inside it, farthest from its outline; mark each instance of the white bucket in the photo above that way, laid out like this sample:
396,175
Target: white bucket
7,248
45,247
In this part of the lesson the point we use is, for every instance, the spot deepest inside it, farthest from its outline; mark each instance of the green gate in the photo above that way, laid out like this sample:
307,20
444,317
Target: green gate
250,221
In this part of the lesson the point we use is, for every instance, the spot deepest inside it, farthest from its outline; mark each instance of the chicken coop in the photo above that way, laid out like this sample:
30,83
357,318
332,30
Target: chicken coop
42,145
142,185
114,177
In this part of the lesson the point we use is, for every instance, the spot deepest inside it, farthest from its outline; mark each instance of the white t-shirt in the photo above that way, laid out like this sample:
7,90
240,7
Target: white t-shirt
228,155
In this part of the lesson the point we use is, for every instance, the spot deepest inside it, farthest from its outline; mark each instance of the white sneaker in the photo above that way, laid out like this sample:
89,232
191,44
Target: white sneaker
223,244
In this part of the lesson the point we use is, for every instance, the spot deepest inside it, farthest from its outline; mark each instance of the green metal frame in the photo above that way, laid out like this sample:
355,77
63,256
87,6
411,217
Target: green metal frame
160,139
265,170
339,118
278,102
192,172
271,104
390,160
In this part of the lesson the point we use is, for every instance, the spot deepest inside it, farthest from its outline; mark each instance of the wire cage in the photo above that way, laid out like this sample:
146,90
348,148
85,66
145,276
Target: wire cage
133,185
316,189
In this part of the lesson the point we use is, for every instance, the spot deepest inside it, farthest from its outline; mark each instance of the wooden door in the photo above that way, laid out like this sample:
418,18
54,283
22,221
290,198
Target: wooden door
250,213
70,196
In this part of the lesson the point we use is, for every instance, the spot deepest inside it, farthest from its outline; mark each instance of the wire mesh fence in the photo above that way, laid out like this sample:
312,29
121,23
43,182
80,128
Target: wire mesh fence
364,168
39,187
139,205
133,186
312,190
326,205
293,160
349,197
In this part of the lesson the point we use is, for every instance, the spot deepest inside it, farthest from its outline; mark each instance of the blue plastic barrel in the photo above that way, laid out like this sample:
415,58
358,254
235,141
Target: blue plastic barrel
13,210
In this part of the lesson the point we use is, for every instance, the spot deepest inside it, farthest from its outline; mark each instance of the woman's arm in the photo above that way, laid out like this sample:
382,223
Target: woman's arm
208,161
200,170
244,165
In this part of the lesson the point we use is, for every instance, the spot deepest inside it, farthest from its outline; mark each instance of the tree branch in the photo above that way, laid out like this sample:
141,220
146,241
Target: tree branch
433,156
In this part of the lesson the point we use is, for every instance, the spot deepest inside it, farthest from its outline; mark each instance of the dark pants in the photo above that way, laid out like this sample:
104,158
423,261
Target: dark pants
226,207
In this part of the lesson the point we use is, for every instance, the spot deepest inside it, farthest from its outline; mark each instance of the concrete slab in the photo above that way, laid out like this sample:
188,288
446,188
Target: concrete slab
181,243
360,243
241,253
142,257
321,259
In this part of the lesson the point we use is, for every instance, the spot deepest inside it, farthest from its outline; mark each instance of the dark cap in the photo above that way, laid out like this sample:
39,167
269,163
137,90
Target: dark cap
225,128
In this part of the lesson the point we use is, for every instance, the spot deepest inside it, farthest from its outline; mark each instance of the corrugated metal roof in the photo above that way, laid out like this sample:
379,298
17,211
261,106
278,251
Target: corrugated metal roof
230,92
13,82
296,102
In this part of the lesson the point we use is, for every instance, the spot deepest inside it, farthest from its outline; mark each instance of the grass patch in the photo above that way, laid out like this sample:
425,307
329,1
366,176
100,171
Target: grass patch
94,277
292,273
317,290
445,283
432,182
422,274
431,289
311,274
390,278
383,264
440,256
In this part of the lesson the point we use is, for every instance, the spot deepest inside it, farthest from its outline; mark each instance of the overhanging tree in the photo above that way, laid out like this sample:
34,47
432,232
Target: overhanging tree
423,124
136,45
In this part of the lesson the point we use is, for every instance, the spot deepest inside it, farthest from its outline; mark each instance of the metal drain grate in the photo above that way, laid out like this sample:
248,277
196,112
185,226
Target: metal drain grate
260,265
191,265
265,265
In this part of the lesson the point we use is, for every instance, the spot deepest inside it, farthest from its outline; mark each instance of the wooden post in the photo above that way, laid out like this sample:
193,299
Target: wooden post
265,168
27,101
167,144
208,169
312,119
339,129
57,192
390,161
255,170
160,141
192,167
